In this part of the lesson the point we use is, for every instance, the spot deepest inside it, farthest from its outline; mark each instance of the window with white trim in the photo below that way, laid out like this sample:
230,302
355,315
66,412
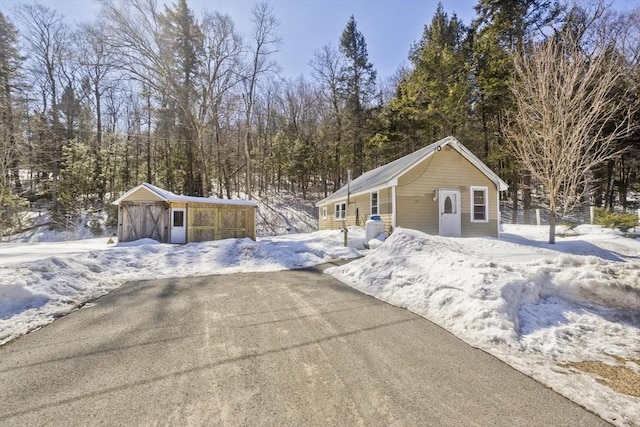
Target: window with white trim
324,212
341,210
479,204
374,203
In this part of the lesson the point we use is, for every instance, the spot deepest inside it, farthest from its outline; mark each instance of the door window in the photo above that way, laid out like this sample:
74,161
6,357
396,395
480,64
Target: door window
449,206
178,218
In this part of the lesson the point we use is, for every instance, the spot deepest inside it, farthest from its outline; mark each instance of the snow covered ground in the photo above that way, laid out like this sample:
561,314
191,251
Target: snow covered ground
43,281
544,309
550,311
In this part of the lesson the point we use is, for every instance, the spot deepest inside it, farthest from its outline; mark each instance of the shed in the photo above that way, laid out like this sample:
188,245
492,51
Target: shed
441,189
147,211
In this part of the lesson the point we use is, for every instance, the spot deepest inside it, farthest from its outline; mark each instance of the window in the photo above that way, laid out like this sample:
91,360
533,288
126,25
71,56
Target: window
178,218
448,205
479,204
374,203
341,210
324,212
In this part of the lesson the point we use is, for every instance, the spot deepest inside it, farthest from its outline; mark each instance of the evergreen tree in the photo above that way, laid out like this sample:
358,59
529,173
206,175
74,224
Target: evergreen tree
503,28
358,79
10,149
186,49
434,99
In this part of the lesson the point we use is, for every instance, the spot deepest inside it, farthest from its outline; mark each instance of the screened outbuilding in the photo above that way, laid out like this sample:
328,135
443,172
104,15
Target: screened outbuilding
147,211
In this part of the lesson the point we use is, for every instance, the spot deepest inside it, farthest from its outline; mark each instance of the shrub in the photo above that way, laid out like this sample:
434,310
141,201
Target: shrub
620,221
112,215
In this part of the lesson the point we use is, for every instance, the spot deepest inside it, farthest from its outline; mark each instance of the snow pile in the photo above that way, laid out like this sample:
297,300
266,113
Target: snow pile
36,288
38,228
529,303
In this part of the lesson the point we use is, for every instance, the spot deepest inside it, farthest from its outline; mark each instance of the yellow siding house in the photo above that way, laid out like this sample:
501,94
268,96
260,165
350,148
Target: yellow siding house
441,189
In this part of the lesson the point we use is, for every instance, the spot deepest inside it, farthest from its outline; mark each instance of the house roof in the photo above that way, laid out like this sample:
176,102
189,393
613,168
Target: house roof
168,196
386,175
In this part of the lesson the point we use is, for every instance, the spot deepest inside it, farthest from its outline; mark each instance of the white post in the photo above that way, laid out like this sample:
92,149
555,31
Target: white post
592,214
348,185
538,216
393,208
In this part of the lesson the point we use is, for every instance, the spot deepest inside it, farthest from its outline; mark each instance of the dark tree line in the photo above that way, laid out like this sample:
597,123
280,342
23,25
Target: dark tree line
157,93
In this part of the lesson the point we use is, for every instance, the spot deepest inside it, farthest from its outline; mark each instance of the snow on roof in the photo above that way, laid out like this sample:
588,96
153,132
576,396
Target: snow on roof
168,196
385,175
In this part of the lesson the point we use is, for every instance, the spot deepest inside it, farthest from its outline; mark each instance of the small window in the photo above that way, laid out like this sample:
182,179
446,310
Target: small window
324,212
479,204
178,218
341,210
374,203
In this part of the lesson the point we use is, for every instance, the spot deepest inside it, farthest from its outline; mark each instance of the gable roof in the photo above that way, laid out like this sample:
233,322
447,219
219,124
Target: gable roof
386,175
158,193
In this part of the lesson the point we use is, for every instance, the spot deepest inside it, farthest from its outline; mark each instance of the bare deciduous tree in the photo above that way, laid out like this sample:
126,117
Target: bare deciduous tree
46,37
569,112
265,43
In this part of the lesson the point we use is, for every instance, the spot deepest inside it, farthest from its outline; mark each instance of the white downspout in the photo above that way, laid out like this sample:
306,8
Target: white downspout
393,208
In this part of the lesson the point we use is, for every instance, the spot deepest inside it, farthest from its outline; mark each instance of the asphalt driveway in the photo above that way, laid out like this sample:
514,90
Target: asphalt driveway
287,348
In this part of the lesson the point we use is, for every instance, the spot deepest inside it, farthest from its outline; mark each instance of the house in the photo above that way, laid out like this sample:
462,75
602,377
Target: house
440,189
147,211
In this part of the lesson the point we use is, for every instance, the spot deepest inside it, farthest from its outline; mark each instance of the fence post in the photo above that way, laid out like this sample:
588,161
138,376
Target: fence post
592,214
538,216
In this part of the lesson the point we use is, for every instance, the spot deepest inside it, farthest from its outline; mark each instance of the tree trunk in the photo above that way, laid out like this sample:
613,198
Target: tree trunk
149,176
552,227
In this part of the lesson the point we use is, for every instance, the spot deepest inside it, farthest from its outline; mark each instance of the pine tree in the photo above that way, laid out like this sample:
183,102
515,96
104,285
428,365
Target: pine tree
186,51
434,99
358,78
10,61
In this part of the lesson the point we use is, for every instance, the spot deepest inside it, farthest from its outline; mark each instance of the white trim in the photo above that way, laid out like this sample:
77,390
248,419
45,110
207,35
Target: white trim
182,237
393,207
377,193
500,184
499,221
485,190
324,212
431,149
168,196
378,188
339,213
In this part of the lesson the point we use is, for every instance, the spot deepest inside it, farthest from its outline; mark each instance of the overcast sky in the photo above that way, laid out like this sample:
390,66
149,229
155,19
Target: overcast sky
390,27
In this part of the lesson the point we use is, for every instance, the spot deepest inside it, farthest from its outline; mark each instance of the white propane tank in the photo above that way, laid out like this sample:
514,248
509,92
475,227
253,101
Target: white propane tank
372,228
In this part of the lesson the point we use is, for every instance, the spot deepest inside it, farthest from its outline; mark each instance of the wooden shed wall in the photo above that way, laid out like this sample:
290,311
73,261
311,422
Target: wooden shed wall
207,221
140,220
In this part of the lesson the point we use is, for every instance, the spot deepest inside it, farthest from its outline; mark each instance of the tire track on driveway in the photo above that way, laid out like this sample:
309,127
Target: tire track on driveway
287,348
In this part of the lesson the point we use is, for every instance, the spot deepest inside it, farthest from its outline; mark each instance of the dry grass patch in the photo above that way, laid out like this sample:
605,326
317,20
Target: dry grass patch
620,378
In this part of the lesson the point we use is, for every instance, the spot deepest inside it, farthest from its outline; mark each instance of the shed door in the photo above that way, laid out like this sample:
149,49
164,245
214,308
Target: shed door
178,225
450,217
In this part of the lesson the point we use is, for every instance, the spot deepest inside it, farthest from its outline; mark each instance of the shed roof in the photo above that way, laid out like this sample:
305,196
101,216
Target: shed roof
386,175
168,196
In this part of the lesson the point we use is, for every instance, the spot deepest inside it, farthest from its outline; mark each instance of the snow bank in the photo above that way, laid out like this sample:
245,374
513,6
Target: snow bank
41,288
533,306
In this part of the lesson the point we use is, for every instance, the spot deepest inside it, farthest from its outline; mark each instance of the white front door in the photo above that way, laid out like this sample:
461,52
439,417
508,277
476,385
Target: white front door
178,226
450,217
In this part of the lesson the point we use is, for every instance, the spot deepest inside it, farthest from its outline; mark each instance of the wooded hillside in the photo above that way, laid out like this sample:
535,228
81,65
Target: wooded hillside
156,93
